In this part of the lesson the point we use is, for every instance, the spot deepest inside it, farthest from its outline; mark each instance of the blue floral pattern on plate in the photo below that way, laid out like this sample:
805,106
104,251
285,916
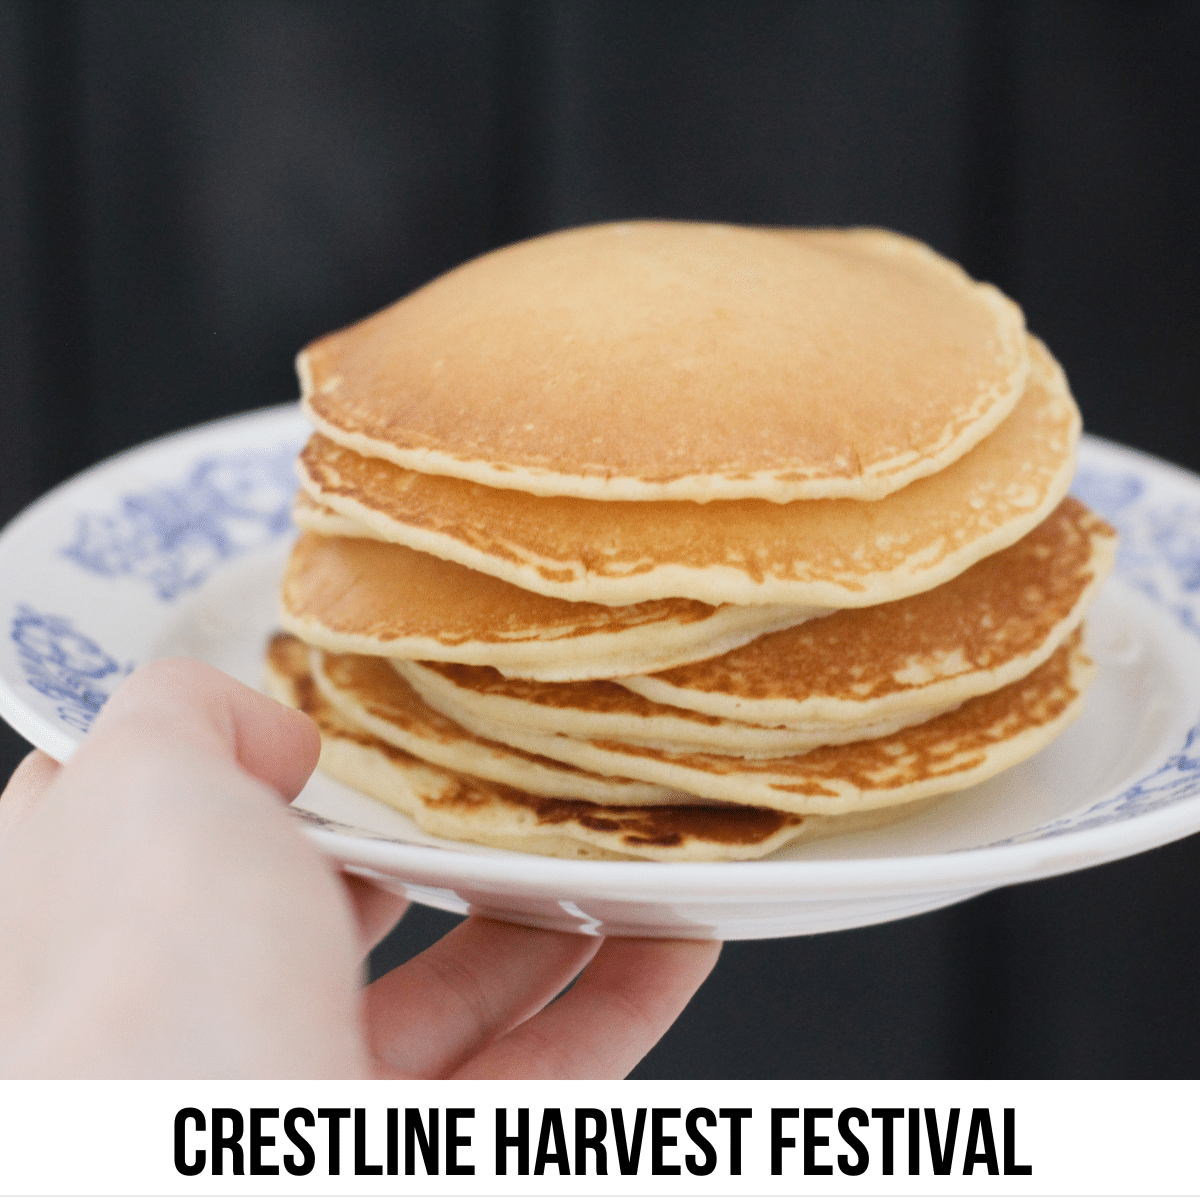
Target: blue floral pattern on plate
64,665
172,536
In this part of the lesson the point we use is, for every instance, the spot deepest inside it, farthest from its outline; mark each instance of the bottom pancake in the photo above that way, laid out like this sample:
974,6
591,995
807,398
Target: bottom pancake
459,807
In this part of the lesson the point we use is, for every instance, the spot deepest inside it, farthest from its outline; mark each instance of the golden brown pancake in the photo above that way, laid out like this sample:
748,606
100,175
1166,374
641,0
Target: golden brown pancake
371,695
678,361
449,804
982,737
604,710
828,553
990,625
311,516
369,597
686,541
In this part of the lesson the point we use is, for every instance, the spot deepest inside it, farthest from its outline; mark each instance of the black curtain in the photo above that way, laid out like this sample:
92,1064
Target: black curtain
192,189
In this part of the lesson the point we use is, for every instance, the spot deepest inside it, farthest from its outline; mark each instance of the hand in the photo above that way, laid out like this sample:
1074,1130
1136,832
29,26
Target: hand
163,917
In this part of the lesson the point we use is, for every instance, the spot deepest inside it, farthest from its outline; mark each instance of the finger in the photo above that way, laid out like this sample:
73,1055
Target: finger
179,698
194,930
31,778
377,909
482,979
620,1006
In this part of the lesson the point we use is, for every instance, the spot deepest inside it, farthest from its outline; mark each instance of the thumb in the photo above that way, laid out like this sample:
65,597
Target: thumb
178,700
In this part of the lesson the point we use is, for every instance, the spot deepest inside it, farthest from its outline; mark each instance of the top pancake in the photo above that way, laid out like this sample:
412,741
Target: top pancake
679,361
823,553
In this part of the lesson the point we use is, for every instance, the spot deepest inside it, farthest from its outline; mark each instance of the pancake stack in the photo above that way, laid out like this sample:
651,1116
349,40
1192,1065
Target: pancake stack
686,542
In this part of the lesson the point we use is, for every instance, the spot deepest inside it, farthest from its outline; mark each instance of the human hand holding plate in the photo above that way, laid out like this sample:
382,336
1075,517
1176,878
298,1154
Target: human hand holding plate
164,917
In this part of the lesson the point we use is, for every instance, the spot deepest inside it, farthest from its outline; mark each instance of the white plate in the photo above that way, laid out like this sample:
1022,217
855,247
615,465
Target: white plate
176,548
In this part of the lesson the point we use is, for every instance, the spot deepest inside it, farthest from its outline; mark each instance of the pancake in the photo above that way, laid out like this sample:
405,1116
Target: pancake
311,516
605,711
977,740
371,695
692,361
367,597
912,658
460,807
820,553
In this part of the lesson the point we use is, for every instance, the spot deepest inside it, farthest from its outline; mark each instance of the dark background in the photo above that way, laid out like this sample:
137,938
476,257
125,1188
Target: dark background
189,191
